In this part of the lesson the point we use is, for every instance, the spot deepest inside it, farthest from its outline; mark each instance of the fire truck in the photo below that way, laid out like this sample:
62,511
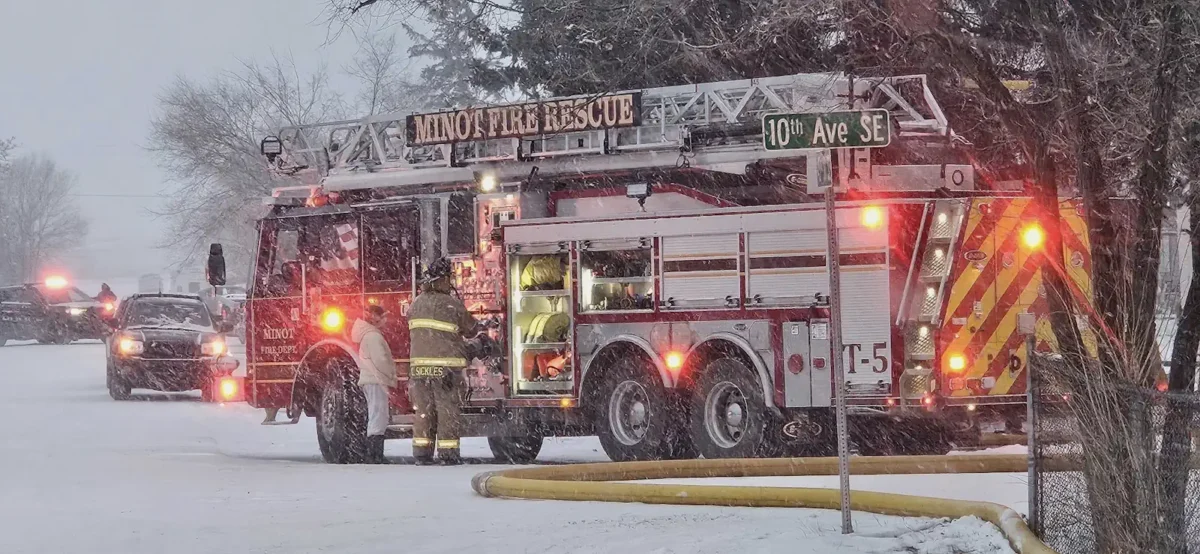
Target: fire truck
659,278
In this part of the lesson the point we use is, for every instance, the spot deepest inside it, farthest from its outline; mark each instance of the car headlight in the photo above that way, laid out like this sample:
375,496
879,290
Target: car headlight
130,347
214,348
76,312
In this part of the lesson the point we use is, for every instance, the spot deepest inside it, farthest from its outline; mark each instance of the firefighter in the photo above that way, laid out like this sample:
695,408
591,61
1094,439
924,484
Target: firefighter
376,374
108,302
437,324
106,294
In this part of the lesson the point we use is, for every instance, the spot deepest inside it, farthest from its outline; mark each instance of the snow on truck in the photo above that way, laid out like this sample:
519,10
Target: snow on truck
659,273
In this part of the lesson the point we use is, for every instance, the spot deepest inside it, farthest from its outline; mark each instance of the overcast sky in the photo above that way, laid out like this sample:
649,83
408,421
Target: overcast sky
79,78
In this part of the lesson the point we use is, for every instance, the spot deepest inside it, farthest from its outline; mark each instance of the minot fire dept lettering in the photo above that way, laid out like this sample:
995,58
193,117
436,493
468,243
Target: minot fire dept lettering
271,333
559,116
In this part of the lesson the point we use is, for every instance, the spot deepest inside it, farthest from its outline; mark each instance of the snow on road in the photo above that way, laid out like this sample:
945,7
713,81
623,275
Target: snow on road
82,473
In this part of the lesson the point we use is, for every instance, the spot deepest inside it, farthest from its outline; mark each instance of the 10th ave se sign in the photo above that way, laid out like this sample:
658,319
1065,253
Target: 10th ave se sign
849,129
521,120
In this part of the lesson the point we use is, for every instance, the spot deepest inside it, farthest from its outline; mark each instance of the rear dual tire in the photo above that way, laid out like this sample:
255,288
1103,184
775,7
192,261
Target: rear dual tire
636,417
728,415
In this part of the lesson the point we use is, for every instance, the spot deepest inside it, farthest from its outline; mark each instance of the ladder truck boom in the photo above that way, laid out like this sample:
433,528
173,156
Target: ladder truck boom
708,126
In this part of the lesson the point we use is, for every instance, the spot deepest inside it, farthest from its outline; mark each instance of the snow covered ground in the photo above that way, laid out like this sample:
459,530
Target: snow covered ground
82,473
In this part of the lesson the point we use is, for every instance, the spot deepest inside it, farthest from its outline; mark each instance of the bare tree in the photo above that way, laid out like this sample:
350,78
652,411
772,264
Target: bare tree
380,69
40,221
206,137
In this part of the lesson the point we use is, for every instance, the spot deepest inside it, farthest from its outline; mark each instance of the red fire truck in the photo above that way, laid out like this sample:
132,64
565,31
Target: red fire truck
661,277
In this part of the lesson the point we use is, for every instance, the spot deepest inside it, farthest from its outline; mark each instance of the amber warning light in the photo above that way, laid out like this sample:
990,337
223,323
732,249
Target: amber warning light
229,389
56,281
674,361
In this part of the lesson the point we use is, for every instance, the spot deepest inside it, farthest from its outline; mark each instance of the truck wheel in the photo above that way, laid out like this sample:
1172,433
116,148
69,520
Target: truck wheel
728,411
118,389
515,450
341,422
632,415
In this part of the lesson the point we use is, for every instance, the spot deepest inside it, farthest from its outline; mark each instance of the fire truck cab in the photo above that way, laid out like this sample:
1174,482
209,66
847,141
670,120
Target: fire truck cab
658,277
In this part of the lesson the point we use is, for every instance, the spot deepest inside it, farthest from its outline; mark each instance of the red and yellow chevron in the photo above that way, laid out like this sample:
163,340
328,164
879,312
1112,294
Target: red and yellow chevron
994,277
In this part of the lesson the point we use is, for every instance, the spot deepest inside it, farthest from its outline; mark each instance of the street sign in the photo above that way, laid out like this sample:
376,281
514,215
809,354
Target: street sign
848,129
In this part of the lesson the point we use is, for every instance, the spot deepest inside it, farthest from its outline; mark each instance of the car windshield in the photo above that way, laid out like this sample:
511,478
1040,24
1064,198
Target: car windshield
161,312
63,295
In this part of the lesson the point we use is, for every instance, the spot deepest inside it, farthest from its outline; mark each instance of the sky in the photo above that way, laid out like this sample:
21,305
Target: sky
79,81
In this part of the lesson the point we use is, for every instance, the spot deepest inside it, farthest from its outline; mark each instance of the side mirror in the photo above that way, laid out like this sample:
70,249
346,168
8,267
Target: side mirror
224,326
215,272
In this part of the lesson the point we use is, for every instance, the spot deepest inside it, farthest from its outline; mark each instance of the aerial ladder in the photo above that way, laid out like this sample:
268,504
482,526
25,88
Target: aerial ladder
708,126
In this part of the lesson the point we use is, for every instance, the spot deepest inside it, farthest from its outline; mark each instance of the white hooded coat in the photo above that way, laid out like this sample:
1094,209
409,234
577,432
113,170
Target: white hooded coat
375,363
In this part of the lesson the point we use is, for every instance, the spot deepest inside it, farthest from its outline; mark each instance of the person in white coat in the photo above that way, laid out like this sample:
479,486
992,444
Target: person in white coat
376,374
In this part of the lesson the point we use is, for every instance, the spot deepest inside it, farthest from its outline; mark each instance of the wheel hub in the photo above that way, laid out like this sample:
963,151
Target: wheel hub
629,412
725,414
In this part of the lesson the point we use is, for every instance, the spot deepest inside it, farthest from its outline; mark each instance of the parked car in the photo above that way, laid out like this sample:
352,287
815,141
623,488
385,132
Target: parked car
50,312
167,342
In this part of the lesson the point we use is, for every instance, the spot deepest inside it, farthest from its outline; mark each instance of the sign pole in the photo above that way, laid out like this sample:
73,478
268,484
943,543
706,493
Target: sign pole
835,348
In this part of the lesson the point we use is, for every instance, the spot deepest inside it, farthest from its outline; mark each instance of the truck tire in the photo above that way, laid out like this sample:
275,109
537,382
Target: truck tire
118,389
516,450
728,411
632,413
341,422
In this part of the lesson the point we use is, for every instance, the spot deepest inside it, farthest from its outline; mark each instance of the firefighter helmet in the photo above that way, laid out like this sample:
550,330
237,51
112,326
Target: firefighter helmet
440,268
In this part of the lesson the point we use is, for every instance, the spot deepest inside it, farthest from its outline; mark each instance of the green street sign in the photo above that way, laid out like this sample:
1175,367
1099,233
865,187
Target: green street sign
851,129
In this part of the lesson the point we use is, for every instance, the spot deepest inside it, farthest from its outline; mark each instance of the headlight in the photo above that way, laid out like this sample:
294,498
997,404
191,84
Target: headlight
76,312
130,347
214,348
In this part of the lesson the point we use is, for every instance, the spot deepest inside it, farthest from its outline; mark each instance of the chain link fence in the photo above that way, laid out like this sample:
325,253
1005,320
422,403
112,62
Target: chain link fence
1114,468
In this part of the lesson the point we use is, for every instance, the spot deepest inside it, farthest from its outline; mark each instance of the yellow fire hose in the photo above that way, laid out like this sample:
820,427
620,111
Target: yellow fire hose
594,482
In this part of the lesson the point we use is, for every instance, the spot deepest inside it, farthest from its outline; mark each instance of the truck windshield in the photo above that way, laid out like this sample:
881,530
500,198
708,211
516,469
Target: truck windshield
169,313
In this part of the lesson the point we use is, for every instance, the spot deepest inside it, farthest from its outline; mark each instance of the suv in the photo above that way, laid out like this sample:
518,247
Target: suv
49,313
166,342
